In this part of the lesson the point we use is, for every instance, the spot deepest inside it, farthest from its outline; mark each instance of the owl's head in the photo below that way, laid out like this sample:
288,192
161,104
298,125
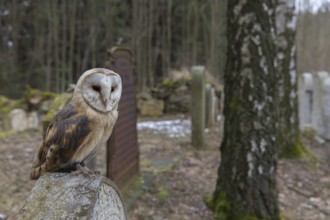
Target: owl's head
100,88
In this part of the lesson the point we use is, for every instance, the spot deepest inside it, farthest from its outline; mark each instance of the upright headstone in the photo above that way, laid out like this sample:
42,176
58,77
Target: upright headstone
197,106
318,102
325,112
18,119
122,150
305,87
210,111
33,120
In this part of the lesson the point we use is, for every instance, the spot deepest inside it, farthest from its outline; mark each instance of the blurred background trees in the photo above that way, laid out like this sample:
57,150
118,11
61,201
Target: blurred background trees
48,44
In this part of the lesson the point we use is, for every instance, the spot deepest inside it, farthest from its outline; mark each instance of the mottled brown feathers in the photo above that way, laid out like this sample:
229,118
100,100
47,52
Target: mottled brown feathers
64,135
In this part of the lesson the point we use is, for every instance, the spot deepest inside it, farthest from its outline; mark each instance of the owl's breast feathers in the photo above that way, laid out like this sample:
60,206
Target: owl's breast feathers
67,132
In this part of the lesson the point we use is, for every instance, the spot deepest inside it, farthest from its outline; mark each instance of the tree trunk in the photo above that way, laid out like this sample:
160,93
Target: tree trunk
246,185
68,196
288,131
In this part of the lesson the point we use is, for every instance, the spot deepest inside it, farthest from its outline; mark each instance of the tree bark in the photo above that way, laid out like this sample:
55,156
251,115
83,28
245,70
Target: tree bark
68,196
289,142
246,185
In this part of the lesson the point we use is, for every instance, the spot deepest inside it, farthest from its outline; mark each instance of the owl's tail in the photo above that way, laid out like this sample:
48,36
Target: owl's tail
45,161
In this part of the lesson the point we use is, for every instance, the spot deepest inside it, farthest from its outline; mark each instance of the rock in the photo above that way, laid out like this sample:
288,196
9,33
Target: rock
181,74
34,97
68,196
18,119
33,120
319,140
145,95
164,89
45,106
178,103
151,107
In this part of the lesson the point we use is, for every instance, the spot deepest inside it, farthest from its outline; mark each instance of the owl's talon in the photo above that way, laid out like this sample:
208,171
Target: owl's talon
85,171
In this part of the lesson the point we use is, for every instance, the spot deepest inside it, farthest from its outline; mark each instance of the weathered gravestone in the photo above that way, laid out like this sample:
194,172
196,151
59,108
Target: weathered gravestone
69,196
319,102
18,119
32,120
122,150
305,91
197,106
210,105
325,112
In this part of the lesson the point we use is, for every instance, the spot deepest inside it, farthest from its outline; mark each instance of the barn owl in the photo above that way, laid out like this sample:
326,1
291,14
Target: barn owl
85,123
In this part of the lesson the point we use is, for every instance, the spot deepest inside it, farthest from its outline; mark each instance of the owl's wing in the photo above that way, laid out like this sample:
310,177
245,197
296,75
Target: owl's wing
66,132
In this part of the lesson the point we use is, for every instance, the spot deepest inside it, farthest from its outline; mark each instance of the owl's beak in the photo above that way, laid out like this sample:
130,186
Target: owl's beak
105,102
105,95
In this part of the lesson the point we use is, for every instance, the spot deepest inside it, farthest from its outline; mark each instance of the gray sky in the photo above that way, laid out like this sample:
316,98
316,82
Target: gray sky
314,3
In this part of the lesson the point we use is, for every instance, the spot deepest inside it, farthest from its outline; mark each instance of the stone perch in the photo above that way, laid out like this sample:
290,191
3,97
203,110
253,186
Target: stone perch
68,196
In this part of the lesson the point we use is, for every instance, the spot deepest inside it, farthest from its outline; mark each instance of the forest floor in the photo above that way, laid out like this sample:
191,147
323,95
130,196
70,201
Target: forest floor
181,176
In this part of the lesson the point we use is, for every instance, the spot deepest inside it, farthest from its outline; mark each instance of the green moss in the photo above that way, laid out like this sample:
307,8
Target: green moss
133,187
6,105
208,201
298,150
220,206
138,181
5,134
145,163
234,102
163,194
168,83
4,102
223,210
50,114
30,92
58,103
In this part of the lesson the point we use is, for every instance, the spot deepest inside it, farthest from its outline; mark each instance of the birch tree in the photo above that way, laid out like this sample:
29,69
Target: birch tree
289,142
246,185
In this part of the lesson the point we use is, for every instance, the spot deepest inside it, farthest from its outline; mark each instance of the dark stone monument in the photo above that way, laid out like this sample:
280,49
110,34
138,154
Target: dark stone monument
122,147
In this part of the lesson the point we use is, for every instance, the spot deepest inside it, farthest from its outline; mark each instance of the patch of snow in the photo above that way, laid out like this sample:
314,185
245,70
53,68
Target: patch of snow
2,216
10,44
174,128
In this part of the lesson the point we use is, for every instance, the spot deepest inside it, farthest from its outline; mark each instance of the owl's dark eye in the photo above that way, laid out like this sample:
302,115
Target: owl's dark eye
113,88
96,88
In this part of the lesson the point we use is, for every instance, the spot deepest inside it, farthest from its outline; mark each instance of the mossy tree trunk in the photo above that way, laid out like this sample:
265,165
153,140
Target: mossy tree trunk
289,143
246,185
